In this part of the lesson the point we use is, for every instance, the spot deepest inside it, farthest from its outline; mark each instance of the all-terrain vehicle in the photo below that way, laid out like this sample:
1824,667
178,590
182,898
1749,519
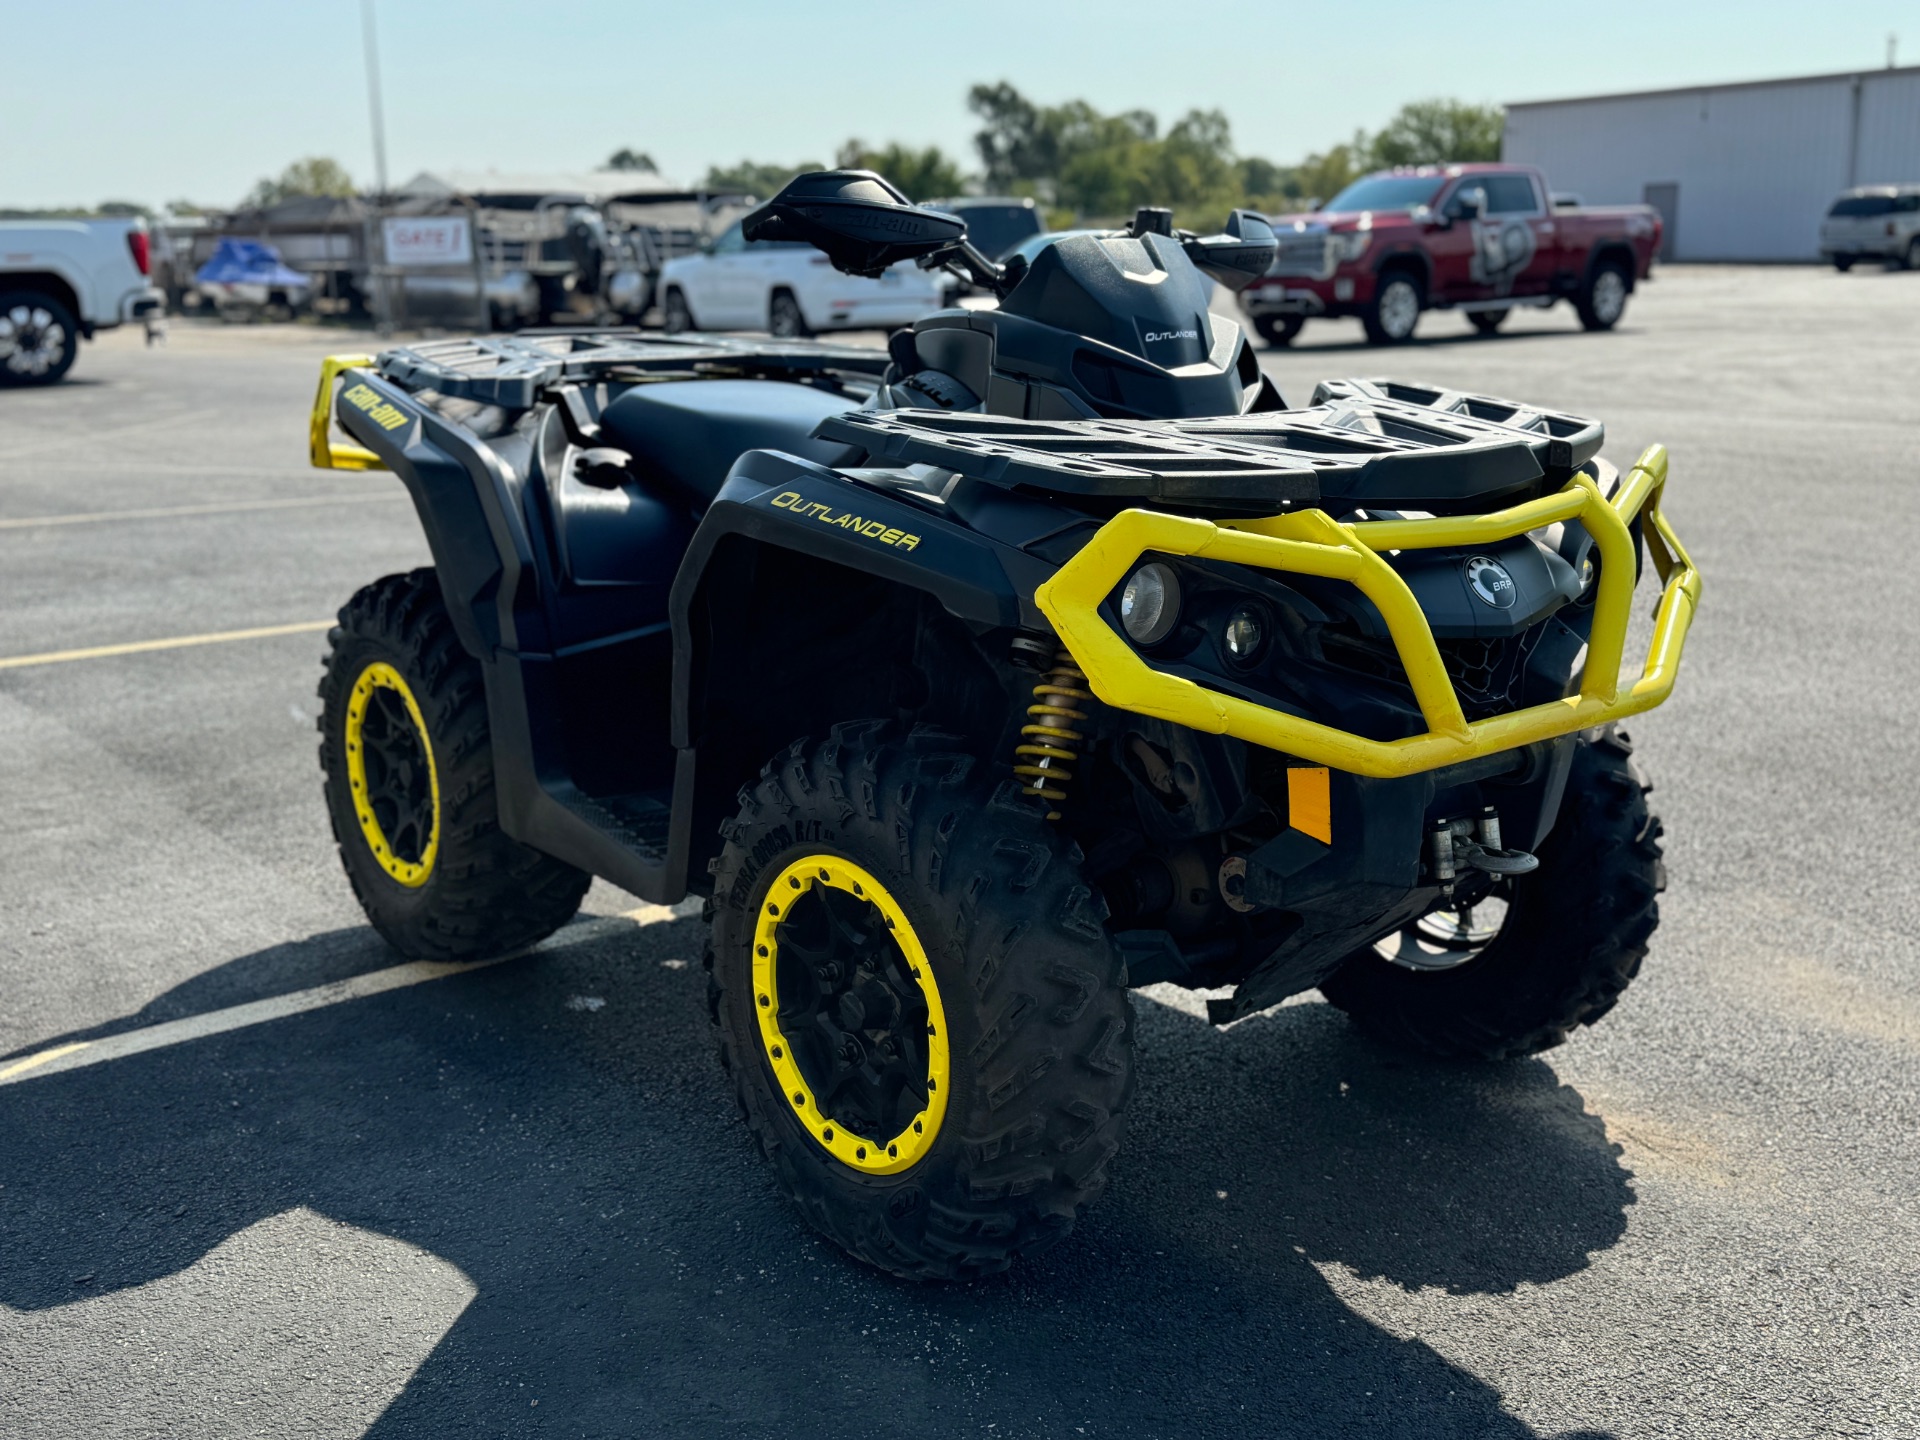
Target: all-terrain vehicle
1043,654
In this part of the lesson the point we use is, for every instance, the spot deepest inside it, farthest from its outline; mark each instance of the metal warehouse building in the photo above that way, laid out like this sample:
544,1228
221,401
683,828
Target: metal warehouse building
1740,172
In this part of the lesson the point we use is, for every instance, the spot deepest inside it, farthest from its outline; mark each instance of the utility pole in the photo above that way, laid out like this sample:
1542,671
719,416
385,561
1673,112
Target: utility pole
373,96
383,300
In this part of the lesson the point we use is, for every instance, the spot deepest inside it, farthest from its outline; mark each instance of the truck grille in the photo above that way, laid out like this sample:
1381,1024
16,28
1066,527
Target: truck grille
1301,254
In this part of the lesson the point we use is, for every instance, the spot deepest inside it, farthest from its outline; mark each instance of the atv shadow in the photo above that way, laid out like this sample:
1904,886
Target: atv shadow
637,1274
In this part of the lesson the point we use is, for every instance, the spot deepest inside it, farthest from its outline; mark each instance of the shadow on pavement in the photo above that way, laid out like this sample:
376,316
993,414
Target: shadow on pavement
1435,342
636,1273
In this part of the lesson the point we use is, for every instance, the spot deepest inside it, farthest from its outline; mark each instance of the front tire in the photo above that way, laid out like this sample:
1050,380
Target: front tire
1394,311
1843,263
675,314
39,338
932,1040
1572,940
1279,331
1911,259
405,750
1603,300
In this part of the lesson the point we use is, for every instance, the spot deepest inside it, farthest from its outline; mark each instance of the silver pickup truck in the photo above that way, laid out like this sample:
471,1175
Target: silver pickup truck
62,281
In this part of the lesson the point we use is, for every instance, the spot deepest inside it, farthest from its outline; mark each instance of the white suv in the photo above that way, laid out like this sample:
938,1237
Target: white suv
1874,222
786,288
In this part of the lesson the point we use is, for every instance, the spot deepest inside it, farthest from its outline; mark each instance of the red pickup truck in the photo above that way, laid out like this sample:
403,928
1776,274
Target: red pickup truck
1483,239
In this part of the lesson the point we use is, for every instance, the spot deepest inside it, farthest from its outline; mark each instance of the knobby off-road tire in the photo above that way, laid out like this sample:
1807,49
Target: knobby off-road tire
1038,1023
1574,935
453,886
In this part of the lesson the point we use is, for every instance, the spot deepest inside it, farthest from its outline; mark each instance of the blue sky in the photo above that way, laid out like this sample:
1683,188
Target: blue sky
110,99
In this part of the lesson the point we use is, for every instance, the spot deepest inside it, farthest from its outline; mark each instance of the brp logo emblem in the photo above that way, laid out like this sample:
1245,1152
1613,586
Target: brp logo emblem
1490,581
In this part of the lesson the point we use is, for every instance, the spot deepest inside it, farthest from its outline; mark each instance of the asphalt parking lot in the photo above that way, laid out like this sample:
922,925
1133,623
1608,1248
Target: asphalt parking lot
517,1201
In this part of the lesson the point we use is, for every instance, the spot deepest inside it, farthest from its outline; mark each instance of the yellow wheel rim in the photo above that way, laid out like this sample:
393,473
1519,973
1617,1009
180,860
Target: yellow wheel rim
370,793
870,1154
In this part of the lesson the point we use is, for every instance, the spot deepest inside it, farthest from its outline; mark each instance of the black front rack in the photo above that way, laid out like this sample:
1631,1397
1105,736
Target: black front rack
512,370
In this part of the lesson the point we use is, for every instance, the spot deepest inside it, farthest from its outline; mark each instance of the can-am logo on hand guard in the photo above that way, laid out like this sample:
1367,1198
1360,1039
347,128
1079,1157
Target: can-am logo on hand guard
1490,581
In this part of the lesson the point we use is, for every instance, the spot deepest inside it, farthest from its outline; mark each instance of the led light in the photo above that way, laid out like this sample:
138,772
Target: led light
1150,603
1245,634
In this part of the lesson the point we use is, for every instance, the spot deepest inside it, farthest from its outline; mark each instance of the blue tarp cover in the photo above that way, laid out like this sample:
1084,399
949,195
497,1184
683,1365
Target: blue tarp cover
247,262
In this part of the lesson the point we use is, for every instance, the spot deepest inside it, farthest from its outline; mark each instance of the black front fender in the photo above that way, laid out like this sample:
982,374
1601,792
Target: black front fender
775,499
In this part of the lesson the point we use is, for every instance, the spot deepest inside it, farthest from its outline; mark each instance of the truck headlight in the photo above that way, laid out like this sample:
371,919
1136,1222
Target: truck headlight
1150,603
1351,245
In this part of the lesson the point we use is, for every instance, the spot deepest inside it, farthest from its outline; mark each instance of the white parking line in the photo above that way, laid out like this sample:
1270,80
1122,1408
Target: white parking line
76,1054
235,1017
175,642
234,507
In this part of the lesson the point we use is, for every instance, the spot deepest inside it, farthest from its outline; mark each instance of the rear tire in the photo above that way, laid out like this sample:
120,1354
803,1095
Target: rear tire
1911,259
1843,263
415,815
1488,322
1390,317
1279,330
1039,1050
785,320
1574,935
39,338
1603,300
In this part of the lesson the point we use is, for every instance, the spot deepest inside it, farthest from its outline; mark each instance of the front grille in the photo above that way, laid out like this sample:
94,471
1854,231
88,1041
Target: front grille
1486,673
1301,254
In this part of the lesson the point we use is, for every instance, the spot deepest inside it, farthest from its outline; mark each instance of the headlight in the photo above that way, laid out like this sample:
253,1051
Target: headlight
1351,246
1150,603
1245,635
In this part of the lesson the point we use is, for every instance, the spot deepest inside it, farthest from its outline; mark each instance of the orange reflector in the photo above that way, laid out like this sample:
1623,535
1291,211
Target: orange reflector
1310,803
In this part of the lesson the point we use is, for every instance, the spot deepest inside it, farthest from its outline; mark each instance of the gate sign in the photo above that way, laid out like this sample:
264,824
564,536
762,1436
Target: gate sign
431,240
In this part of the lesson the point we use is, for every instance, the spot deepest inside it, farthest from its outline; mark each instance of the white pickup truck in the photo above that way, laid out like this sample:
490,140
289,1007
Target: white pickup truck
62,280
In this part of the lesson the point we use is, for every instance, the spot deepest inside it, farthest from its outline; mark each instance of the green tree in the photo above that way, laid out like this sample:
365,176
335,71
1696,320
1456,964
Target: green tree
628,159
923,174
1439,132
750,177
315,175
1024,146
1323,175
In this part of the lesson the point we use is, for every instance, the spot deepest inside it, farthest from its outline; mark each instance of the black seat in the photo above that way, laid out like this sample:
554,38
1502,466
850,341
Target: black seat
689,432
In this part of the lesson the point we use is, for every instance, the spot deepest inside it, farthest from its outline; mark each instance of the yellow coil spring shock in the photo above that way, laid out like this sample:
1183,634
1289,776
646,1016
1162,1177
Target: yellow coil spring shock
1045,758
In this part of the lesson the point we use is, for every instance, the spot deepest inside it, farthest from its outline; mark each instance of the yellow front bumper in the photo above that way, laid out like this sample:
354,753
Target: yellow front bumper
323,450
1313,543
